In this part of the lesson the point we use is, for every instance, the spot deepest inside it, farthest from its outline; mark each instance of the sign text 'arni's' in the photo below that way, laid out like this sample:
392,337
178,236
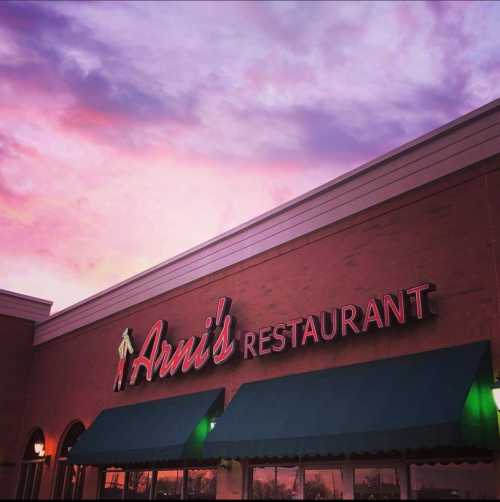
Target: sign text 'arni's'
218,343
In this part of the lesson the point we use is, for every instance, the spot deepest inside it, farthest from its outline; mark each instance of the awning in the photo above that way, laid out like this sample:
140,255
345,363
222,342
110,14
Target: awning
425,400
154,431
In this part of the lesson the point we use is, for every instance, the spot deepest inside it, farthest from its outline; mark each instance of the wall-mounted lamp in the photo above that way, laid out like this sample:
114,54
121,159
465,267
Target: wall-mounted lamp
495,388
212,424
39,449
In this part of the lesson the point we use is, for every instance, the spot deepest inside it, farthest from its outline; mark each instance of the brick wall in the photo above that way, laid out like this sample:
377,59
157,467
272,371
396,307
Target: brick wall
16,337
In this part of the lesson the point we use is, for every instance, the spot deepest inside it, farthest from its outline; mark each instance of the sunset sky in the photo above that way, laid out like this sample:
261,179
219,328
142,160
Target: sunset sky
130,132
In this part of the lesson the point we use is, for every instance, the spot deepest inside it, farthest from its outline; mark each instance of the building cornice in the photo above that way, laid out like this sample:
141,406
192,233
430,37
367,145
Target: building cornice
24,306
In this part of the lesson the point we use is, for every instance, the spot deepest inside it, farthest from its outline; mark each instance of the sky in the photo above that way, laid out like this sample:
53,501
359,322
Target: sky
133,131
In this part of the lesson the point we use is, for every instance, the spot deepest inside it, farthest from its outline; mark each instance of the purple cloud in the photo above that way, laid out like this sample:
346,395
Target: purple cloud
49,36
327,137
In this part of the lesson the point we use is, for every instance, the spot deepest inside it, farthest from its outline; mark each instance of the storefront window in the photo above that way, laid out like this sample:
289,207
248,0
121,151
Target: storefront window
29,483
263,483
323,484
201,484
69,481
69,478
453,481
376,484
32,467
275,483
139,485
114,483
169,485
172,484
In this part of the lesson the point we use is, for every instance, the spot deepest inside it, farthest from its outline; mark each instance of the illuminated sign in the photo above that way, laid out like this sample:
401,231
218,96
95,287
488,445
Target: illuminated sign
158,358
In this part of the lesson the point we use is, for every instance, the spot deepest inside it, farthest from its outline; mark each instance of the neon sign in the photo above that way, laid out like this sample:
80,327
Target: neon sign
158,358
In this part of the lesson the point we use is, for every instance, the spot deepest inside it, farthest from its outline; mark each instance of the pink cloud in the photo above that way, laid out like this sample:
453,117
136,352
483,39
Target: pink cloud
130,132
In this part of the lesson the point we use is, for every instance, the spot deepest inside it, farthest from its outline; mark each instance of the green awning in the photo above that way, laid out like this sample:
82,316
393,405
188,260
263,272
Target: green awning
154,431
426,400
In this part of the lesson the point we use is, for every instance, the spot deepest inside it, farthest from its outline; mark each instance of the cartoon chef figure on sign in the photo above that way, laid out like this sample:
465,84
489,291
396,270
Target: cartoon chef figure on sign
125,348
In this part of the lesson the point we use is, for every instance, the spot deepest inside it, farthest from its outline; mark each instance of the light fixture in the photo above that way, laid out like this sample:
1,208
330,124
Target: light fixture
495,388
39,448
212,424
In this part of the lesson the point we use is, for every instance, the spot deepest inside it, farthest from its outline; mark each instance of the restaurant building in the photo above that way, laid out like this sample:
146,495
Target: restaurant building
343,345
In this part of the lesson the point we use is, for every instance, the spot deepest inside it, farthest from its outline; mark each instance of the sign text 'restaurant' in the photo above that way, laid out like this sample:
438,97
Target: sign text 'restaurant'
159,358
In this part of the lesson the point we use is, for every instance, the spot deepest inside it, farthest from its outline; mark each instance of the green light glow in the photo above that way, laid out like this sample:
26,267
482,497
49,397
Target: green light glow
201,430
194,445
479,415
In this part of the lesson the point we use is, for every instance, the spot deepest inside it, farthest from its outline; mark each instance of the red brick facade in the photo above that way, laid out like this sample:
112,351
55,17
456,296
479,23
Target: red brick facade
17,351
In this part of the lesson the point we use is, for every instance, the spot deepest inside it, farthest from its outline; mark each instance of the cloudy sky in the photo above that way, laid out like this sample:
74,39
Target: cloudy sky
130,132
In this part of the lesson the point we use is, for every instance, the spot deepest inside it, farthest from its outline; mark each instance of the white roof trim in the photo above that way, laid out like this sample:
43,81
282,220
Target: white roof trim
469,139
23,306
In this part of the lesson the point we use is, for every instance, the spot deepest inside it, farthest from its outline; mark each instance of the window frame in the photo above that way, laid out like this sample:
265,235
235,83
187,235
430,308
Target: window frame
154,476
400,469
275,465
127,479
183,481
30,491
186,476
77,491
31,466
62,458
348,466
481,460
321,467
102,479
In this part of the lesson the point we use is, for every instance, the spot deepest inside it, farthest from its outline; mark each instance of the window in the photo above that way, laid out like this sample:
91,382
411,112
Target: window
323,484
453,481
376,483
201,484
169,485
275,483
368,480
139,484
263,483
69,478
69,481
113,485
31,467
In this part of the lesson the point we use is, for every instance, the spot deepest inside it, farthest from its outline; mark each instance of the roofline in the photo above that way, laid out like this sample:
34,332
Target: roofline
23,306
459,143
25,297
